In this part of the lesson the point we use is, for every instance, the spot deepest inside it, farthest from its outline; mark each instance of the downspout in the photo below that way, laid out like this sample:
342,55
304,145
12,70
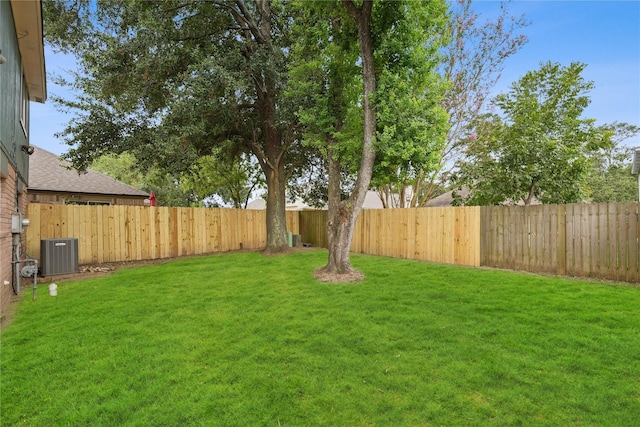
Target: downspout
15,241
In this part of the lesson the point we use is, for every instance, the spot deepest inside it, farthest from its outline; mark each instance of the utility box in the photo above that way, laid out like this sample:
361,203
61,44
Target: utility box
18,223
58,256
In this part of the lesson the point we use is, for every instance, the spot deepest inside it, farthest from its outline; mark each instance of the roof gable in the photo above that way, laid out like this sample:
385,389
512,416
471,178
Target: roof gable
48,173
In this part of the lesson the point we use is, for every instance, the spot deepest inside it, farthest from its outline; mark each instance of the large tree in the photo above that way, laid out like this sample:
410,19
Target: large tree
472,63
169,81
538,146
367,87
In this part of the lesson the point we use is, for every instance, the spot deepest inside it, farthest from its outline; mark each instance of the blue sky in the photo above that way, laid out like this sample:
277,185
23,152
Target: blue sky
605,35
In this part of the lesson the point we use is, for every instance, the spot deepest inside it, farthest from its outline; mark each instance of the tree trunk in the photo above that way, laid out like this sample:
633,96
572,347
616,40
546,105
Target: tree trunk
340,233
272,164
267,145
344,213
527,200
276,211
339,229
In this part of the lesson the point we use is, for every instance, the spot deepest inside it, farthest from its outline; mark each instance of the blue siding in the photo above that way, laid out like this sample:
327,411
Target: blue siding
12,135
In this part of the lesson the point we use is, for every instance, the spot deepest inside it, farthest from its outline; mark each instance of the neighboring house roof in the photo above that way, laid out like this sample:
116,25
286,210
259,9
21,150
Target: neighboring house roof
635,164
257,204
260,204
371,201
446,199
48,173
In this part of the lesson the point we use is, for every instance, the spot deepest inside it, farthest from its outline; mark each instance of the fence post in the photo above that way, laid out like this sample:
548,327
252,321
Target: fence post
562,241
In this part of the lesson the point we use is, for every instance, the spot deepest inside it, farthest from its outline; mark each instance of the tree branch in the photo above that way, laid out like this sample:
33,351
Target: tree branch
351,9
247,20
178,7
260,154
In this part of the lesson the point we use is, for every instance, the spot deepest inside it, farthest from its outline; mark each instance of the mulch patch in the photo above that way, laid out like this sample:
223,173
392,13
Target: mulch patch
349,277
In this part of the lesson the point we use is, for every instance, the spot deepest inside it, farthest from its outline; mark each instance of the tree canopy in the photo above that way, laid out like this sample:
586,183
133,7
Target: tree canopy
538,146
366,88
168,189
169,81
233,180
609,178
471,60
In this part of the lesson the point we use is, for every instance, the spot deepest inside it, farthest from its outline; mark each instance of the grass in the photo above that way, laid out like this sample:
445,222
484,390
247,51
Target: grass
245,340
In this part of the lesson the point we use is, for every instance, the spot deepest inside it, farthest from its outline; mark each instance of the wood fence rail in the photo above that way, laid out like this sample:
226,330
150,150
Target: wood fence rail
134,233
447,235
586,240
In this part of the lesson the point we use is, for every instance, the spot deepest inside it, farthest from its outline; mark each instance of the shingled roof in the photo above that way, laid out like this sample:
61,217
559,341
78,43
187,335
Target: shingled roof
48,173
446,199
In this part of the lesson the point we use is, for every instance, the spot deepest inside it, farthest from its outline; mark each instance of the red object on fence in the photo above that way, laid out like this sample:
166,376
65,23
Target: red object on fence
152,199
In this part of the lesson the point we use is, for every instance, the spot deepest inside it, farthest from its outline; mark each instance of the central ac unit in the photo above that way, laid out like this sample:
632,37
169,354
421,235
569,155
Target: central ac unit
58,256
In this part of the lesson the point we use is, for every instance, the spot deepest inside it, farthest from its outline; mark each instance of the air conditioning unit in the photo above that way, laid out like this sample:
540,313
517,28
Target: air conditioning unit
58,256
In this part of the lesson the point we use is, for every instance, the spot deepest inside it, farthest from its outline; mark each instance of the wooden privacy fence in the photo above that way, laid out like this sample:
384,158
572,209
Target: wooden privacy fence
448,235
134,233
584,240
587,240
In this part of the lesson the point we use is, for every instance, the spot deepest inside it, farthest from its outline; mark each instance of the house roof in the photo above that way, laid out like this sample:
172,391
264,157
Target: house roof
27,16
446,199
48,173
635,164
371,201
260,204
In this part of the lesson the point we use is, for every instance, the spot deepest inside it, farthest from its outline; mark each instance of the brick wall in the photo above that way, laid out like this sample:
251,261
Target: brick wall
7,209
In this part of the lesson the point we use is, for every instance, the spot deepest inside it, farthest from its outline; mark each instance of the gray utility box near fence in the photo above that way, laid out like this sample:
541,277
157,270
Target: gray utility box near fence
58,256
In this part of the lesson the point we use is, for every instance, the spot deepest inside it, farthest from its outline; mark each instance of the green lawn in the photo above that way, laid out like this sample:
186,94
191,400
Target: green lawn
240,339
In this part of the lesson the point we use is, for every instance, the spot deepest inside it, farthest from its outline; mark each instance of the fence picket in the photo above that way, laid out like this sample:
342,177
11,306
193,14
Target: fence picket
599,240
587,233
33,231
612,239
621,241
593,230
634,243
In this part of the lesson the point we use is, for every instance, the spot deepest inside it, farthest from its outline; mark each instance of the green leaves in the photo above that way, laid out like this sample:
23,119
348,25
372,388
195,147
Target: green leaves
172,81
327,83
411,128
169,189
232,181
538,147
609,178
